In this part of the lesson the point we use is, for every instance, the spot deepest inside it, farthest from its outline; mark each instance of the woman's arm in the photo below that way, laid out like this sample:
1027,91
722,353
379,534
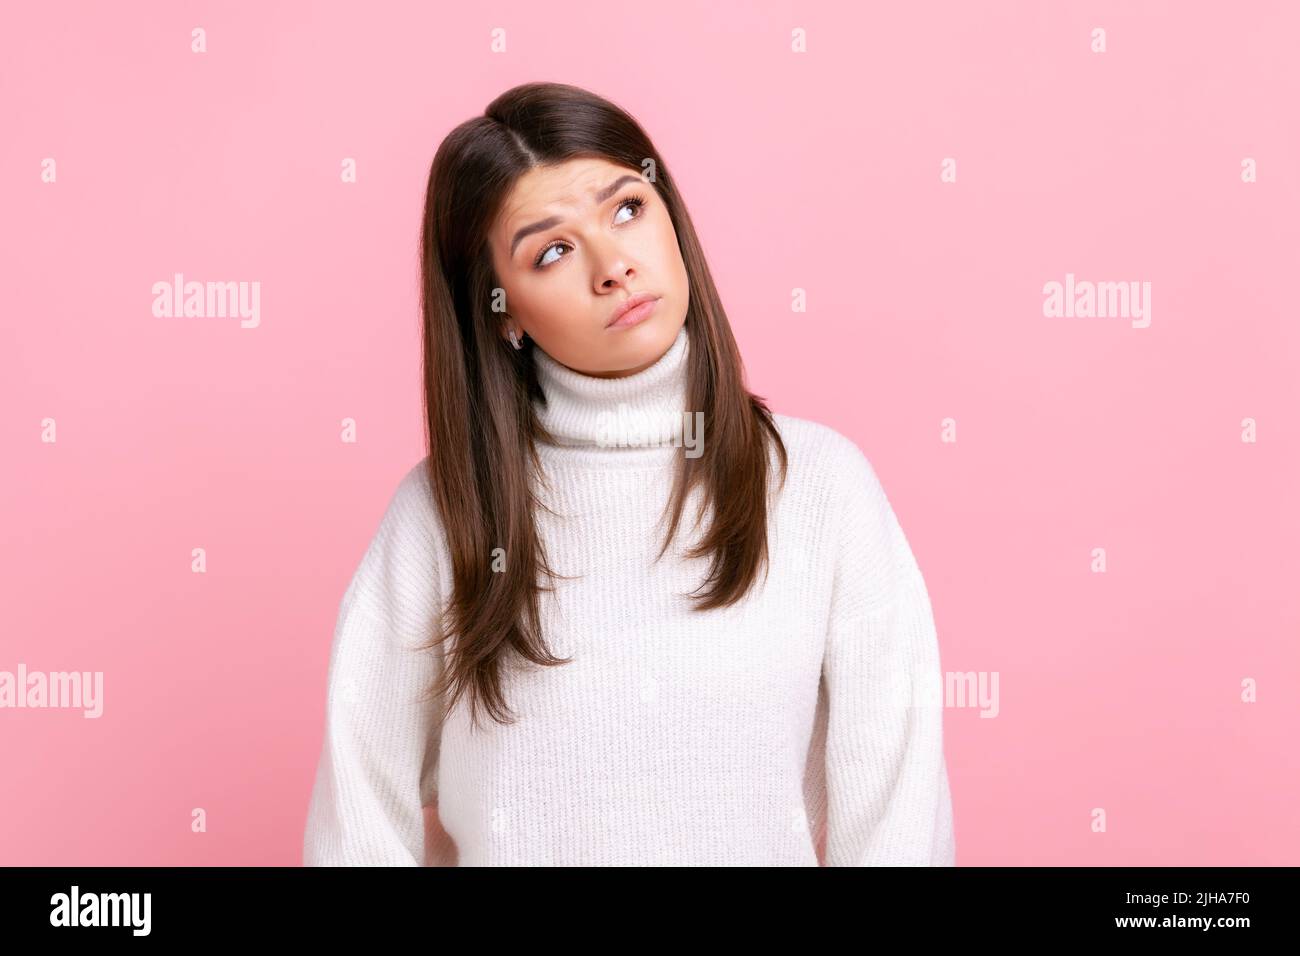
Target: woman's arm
379,755
887,783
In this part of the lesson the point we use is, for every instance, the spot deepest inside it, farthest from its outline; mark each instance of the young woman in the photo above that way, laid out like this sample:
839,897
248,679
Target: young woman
621,614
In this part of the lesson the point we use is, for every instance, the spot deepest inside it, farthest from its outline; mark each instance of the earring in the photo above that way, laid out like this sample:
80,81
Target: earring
514,340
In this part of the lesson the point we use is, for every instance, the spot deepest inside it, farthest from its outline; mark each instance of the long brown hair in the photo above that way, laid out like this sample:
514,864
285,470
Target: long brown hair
481,426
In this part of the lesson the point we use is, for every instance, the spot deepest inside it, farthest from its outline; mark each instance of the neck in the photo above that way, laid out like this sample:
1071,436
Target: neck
617,417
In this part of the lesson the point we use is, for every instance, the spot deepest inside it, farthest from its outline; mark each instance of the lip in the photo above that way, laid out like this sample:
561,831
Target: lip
636,309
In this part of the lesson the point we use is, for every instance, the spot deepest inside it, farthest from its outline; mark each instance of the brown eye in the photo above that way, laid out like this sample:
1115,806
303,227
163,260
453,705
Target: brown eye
634,202
537,263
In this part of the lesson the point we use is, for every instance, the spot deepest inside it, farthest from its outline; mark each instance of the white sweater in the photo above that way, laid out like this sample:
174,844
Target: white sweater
802,727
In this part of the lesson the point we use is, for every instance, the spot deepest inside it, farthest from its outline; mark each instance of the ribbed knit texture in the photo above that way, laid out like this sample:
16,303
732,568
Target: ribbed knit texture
800,727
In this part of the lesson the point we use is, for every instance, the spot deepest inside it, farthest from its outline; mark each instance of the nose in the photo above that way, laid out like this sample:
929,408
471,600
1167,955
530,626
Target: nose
613,266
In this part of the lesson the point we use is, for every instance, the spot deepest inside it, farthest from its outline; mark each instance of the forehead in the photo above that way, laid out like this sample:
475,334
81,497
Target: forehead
569,183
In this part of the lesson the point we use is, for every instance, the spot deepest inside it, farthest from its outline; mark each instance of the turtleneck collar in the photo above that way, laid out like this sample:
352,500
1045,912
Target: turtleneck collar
637,417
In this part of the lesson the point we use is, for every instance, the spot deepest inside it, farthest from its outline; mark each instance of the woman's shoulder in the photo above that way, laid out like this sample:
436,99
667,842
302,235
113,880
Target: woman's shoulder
823,455
413,487
406,550
866,526
411,509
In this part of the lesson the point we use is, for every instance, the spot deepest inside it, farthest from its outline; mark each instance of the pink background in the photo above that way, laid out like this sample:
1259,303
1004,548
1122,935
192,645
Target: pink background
817,171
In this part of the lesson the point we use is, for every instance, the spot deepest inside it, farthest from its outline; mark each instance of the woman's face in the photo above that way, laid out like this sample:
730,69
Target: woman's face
570,246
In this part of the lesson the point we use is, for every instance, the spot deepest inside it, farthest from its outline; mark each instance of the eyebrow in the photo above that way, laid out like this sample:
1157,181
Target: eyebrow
600,196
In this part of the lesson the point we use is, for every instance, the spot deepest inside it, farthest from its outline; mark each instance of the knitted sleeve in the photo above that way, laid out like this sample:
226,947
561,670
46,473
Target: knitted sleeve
378,761
888,800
